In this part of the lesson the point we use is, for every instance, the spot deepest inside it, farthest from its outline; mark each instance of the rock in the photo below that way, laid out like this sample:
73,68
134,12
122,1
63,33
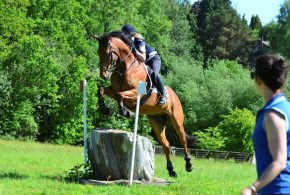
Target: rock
110,153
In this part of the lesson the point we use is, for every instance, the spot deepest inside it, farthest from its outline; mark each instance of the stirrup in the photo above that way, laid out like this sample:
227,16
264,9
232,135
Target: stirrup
162,100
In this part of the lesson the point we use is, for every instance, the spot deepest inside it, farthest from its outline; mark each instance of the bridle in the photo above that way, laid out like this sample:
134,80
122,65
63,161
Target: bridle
113,65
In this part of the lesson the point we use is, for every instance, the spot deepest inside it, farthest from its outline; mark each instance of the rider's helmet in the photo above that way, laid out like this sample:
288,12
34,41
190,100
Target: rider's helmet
127,28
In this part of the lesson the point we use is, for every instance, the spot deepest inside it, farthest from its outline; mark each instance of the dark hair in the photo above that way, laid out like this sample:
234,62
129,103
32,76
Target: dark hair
272,70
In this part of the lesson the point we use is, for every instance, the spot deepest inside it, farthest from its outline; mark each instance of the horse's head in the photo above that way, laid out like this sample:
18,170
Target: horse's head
114,51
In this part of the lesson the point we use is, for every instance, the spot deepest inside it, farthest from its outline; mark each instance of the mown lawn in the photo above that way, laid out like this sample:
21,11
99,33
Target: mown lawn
35,168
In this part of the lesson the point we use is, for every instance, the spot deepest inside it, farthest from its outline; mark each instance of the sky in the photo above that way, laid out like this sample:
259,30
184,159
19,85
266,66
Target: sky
267,10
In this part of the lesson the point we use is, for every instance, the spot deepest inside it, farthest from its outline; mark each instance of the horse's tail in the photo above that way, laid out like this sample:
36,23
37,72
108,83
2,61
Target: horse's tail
191,141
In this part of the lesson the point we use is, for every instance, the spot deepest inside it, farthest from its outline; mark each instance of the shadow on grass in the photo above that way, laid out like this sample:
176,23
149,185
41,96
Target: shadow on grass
12,175
54,178
73,175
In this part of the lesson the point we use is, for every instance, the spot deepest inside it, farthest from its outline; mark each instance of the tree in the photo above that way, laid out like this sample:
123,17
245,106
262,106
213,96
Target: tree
181,37
244,20
156,27
43,55
279,33
255,22
221,32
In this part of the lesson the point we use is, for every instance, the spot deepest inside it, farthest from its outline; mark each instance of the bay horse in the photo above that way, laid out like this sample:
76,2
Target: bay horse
119,65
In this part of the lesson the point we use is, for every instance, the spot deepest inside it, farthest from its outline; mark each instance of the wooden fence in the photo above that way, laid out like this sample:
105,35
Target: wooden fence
207,154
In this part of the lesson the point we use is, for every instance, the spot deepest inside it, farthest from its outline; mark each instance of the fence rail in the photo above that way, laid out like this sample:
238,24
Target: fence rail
207,154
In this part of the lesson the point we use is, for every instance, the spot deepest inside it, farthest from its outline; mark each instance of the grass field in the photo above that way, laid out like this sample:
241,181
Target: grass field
34,168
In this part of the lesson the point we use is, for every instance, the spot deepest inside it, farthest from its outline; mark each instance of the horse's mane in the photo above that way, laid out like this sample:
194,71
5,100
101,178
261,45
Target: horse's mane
104,39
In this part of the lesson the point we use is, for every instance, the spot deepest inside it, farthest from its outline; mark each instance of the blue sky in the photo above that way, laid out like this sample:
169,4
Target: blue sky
267,10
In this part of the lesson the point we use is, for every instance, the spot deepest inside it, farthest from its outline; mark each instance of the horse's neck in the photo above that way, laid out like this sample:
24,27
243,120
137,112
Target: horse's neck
132,64
136,65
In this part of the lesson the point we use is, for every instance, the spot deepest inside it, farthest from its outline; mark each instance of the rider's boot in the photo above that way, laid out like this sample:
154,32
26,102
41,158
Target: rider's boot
162,91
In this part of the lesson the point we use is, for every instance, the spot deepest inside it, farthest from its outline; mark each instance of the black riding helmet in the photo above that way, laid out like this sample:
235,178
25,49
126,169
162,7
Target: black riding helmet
127,28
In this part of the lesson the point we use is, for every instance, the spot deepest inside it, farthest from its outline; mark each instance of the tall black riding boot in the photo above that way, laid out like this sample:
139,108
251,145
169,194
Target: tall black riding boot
162,91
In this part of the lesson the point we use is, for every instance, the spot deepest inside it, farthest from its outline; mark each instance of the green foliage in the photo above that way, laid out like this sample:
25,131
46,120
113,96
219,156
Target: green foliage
222,33
255,22
45,50
237,129
5,102
45,54
208,93
24,125
66,120
244,20
210,139
112,14
279,33
180,33
156,27
233,133
115,121
76,174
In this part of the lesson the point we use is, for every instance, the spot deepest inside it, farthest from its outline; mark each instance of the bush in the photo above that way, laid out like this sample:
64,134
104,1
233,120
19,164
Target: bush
24,125
237,129
210,139
206,94
233,133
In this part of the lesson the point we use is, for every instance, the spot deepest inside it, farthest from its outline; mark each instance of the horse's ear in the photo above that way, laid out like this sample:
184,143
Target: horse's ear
96,37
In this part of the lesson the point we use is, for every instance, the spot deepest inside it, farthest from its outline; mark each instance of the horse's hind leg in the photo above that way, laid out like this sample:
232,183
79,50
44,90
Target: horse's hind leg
158,124
177,123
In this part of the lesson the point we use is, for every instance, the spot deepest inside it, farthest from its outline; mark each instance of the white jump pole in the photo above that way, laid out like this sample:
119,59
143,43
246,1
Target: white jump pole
83,88
141,90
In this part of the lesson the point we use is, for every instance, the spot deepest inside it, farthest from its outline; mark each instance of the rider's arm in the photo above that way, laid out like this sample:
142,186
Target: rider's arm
140,51
140,56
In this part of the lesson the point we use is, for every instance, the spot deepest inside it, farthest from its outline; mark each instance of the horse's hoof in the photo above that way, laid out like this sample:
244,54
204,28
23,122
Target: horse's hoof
124,112
188,167
104,110
128,114
173,174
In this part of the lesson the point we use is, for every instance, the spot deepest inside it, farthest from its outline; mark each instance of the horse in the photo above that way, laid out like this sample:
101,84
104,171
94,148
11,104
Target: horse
119,65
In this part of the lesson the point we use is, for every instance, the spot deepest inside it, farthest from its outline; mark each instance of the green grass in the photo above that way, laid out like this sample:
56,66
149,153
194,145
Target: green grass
34,168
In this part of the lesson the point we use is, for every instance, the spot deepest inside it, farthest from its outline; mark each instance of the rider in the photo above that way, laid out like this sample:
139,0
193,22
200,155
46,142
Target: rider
145,53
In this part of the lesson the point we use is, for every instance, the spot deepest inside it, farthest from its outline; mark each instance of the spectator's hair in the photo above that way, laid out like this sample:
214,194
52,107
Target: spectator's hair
272,70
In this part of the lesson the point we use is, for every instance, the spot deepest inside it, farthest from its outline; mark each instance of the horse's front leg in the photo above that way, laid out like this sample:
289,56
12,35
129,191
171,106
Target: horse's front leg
103,108
126,95
130,95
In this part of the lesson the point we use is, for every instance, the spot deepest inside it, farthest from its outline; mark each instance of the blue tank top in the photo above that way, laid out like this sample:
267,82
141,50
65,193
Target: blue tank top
281,184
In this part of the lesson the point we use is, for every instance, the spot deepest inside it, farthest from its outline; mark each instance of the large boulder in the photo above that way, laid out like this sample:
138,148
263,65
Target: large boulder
110,153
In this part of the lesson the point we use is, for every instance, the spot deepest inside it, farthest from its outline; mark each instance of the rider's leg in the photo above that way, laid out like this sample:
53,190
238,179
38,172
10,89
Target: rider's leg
156,65
161,88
